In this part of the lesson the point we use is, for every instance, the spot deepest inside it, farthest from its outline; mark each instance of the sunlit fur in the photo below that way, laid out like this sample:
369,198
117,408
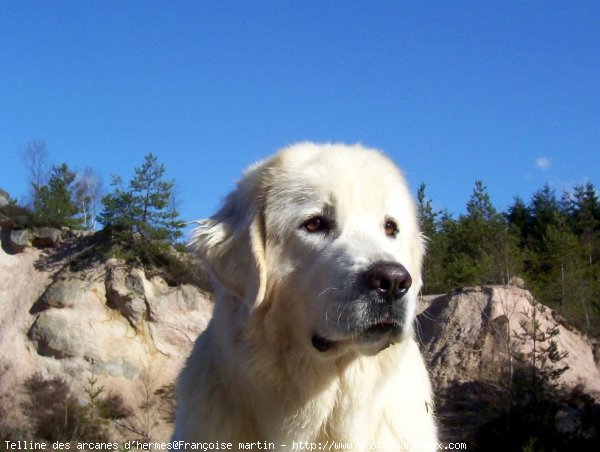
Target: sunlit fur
254,375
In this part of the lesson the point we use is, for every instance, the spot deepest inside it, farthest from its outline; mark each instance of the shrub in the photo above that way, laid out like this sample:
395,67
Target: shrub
57,415
113,407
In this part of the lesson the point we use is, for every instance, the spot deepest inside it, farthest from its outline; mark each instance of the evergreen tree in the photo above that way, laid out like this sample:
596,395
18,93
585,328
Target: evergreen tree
584,215
560,259
554,245
543,356
428,224
520,221
53,202
481,241
545,211
457,267
143,216
427,216
481,223
479,206
156,217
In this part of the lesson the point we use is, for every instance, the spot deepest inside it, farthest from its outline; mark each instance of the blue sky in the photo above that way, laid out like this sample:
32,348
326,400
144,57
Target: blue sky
506,92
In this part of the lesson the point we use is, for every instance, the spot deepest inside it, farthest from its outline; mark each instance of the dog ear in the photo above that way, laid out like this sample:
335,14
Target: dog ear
231,243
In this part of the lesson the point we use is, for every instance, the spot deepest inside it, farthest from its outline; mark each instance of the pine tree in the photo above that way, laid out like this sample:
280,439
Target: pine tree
545,211
143,216
152,203
53,202
428,224
520,221
480,251
479,206
427,216
543,357
584,214
457,266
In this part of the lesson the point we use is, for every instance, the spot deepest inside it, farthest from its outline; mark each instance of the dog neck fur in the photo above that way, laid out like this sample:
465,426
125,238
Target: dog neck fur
316,407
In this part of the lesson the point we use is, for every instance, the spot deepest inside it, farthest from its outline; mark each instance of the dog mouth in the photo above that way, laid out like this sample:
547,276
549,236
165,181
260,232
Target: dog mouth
373,333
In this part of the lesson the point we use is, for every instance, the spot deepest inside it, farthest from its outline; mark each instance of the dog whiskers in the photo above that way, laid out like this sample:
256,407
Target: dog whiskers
327,290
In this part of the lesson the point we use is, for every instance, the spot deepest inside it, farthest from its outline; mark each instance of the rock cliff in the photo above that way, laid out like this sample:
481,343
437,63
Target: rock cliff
66,314
471,340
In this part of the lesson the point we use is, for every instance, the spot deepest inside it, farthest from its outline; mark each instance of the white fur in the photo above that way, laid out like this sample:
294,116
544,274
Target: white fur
254,375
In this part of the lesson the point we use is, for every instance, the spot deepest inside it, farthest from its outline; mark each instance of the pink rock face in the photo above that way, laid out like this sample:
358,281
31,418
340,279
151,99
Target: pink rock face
470,335
60,322
470,340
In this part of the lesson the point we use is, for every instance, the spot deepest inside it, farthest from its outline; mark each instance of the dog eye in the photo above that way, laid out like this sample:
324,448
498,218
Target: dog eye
317,224
391,228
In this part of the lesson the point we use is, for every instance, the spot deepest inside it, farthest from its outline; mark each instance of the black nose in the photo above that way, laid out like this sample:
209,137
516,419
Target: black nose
391,281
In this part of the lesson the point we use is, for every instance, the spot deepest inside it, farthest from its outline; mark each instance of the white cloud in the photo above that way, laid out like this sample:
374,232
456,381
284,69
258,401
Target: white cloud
543,163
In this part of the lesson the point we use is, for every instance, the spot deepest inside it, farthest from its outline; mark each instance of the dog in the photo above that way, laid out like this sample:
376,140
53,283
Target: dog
315,259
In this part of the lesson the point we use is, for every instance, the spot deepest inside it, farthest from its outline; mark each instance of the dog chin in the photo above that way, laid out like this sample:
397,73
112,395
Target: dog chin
368,341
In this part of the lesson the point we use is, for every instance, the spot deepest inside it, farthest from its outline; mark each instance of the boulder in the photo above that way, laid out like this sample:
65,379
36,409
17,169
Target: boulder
517,282
44,237
16,240
22,237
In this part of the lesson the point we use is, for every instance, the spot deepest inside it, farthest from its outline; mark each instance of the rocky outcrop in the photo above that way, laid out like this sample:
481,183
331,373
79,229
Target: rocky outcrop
44,237
470,339
117,319
469,334
125,292
65,319
16,240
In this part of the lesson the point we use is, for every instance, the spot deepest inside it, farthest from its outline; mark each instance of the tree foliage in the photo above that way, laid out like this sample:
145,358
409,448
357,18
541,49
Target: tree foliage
543,356
53,203
59,196
142,216
553,244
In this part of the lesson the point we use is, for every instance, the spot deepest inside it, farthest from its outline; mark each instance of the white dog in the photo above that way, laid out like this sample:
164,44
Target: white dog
315,260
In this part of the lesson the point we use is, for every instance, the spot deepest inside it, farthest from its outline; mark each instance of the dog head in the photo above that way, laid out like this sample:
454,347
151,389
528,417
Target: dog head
323,241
